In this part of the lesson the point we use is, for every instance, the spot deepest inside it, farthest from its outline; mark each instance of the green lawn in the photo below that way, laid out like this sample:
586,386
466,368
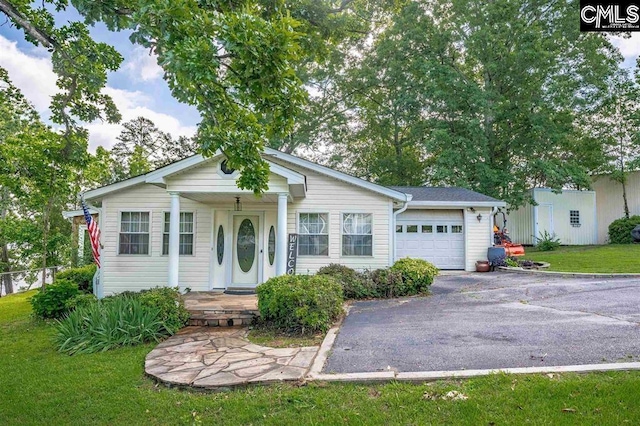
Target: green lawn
268,337
620,258
40,386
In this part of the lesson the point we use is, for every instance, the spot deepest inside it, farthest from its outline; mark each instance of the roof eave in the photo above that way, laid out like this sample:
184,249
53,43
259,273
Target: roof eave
457,204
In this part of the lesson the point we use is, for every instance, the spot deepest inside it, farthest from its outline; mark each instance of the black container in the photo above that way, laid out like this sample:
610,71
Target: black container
635,234
495,253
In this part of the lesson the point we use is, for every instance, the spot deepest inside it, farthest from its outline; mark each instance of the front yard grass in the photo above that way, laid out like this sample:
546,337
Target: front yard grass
38,385
265,336
611,258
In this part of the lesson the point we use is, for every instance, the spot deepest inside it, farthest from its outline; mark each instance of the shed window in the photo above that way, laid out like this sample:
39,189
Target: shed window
357,238
574,217
186,233
313,238
134,233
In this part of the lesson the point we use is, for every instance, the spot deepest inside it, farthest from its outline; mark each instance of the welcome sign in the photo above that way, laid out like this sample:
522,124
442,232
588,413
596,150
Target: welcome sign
292,254
611,16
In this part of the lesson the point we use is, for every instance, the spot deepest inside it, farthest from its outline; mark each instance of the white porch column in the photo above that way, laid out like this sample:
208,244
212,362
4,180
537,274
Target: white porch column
174,239
281,237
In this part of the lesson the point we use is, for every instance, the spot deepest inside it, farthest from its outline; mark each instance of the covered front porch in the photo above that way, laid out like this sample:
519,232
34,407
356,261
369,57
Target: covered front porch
247,234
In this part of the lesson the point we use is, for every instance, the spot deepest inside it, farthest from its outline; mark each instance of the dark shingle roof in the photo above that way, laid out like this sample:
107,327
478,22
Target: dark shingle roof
426,193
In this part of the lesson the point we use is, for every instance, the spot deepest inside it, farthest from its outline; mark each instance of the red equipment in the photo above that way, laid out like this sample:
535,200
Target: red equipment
501,239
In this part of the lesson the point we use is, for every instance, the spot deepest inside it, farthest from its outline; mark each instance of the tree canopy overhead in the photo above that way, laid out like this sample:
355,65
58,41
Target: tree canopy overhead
235,61
491,96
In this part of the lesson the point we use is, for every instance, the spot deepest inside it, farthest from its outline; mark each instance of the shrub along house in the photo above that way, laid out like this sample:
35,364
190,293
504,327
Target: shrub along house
188,224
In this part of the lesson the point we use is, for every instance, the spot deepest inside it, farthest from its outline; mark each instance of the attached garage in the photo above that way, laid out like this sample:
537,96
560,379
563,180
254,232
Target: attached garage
449,227
433,235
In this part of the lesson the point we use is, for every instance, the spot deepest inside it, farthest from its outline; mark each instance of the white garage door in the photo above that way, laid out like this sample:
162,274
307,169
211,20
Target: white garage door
436,236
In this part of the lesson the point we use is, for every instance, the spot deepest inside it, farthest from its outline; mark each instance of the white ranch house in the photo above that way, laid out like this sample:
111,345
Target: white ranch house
181,225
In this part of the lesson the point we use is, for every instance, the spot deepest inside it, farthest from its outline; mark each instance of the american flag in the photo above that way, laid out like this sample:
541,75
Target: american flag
94,233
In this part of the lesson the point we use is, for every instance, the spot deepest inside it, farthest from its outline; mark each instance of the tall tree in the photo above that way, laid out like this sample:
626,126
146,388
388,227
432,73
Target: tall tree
37,166
618,125
234,60
487,95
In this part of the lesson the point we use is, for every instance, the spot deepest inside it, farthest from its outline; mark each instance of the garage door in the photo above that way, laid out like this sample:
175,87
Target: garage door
436,236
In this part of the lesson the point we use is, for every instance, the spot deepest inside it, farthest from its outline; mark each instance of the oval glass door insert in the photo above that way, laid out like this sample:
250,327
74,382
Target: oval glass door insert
246,245
220,245
272,245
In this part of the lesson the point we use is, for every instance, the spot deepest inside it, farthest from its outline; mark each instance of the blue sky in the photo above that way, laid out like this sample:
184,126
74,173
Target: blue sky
137,87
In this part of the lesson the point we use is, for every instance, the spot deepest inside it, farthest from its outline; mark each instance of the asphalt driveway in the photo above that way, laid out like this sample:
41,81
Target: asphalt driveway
490,321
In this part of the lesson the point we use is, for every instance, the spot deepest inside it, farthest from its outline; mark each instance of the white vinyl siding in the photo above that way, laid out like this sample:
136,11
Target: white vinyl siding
326,194
186,233
478,236
133,273
208,178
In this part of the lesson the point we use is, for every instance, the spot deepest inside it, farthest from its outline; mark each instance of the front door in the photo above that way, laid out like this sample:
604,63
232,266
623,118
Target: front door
245,251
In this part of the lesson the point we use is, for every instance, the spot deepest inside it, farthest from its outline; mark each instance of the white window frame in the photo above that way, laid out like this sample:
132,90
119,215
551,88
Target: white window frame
223,174
193,248
328,234
150,233
342,214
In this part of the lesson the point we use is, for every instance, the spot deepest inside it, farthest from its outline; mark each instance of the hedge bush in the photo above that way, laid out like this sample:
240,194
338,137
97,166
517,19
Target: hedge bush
620,230
300,302
169,304
82,276
417,275
355,285
409,277
387,283
123,321
52,303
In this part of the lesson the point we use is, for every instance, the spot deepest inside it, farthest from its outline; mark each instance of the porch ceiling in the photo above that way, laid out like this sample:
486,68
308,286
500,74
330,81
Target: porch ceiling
229,198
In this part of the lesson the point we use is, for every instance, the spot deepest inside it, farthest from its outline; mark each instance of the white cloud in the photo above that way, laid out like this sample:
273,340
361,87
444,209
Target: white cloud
629,47
33,74
142,65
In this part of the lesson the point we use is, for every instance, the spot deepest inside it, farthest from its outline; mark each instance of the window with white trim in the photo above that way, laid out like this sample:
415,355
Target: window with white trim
574,217
313,234
357,238
186,233
134,233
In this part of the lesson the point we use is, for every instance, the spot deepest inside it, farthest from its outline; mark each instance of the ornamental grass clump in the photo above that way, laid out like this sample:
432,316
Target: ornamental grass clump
98,327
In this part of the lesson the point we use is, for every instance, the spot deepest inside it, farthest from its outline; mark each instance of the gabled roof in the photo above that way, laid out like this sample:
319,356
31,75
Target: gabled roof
157,176
389,192
441,196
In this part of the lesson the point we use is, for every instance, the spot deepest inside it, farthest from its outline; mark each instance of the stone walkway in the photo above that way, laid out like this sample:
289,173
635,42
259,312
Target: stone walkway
214,358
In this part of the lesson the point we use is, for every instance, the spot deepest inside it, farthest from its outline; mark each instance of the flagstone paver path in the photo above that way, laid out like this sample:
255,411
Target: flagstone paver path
213,358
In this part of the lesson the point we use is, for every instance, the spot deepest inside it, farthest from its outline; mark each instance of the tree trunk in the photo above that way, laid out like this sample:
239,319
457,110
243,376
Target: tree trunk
4,250
45,243
6,278
624,198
